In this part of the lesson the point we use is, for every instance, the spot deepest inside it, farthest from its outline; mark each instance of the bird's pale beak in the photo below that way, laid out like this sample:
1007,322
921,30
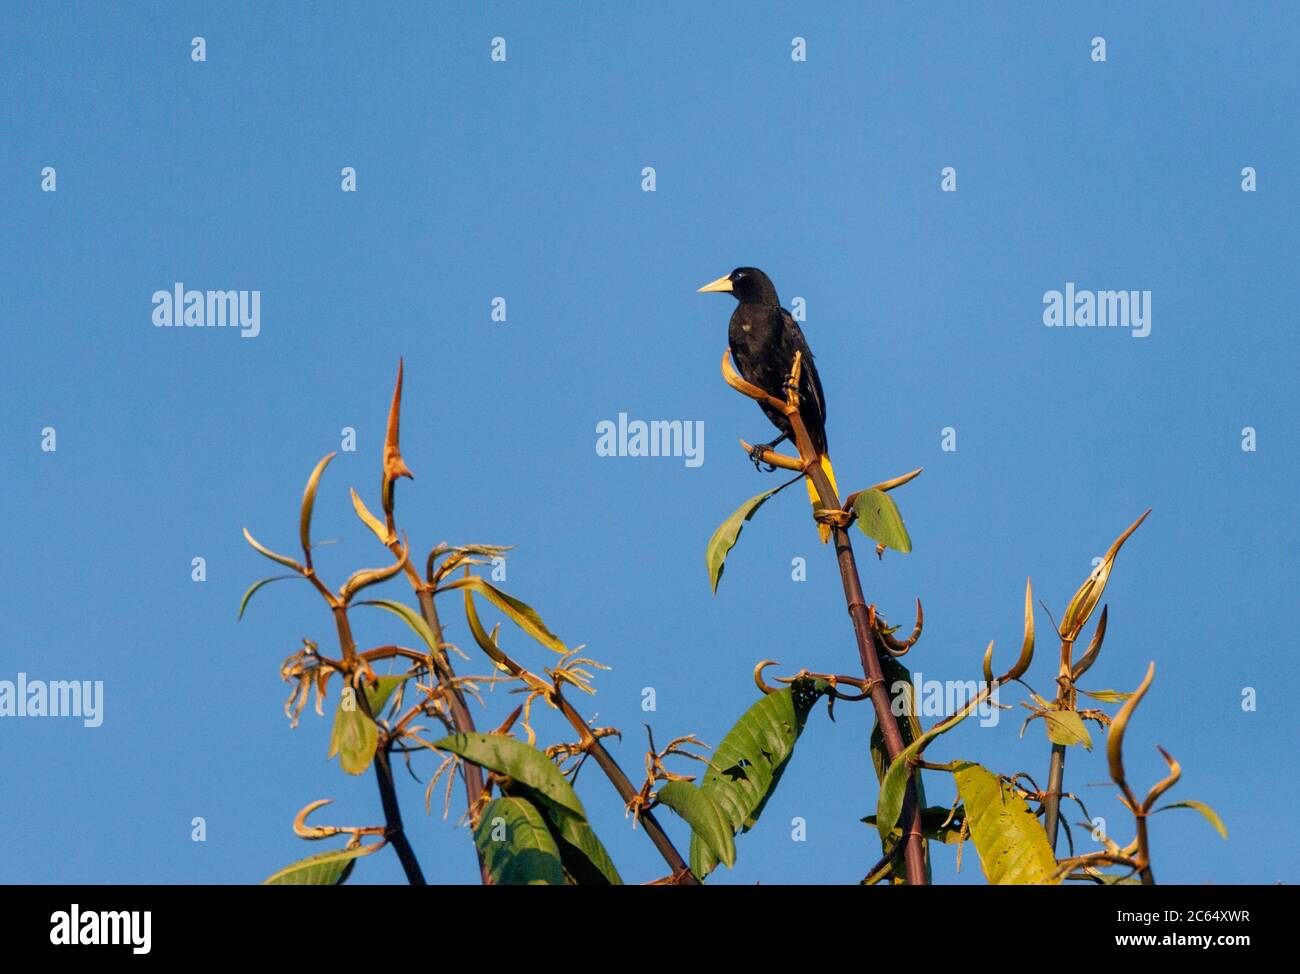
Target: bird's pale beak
721,284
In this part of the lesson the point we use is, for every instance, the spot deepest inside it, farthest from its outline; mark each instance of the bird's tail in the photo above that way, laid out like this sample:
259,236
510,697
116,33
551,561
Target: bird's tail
822,529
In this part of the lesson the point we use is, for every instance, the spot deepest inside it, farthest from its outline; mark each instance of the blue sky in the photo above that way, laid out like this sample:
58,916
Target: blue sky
522,179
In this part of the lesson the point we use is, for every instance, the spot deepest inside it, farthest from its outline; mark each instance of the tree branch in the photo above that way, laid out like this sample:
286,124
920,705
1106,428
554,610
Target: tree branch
913,852
393,829
681,871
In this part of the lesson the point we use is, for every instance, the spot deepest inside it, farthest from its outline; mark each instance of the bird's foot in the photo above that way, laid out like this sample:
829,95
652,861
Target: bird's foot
756,454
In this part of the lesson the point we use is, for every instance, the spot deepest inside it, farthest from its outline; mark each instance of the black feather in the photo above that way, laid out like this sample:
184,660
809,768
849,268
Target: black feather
764,338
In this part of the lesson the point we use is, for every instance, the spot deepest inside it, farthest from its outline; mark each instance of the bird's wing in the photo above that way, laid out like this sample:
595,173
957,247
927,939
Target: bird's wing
810,385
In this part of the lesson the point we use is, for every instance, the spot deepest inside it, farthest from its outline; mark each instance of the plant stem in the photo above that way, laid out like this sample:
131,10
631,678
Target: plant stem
1148,877
393,830
1052,800
1065,699
914,849
681,871
462,719
913,852
461,716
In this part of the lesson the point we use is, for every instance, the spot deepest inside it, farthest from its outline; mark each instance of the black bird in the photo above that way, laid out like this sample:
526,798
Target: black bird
764,338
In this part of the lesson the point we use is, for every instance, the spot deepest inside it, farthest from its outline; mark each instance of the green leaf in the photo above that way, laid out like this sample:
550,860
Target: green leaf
582,853
534,778
1210,814
309,502
524,763
1066,727
1117,879
937,822
704,817
909,725
354,737
410,617
951,834
880,521
516,846
889,804
724,539
487,643
1106,696
520,613
909,728
892,790
252,590
1011,842
377,695
326,869
261,549
748,764
879,875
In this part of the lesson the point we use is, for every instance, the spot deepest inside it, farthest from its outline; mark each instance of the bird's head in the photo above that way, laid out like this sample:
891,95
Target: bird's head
746,284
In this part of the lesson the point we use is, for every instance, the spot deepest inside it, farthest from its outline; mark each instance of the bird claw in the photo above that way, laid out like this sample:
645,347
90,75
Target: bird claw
756,454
